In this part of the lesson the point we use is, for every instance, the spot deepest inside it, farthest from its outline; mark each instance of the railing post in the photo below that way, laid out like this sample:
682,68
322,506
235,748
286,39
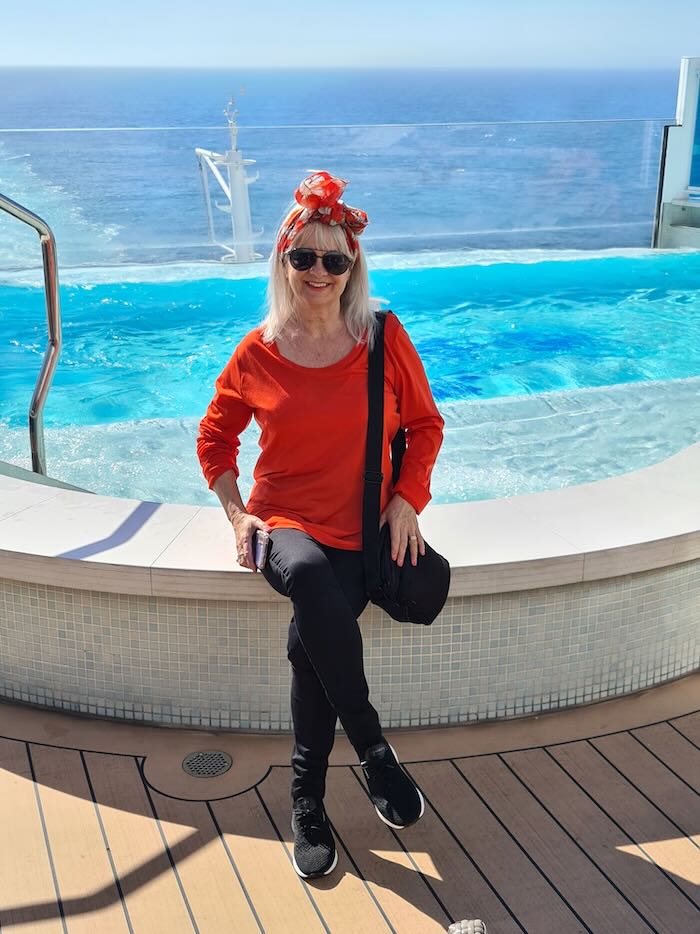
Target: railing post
53,315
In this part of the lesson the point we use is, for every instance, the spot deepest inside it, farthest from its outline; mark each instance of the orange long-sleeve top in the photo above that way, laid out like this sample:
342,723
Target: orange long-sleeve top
313,421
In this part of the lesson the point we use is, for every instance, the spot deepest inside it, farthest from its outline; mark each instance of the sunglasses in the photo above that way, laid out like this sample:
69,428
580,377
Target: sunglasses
302,259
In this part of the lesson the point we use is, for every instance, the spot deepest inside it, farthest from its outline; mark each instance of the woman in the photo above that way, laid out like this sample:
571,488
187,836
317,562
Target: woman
303,375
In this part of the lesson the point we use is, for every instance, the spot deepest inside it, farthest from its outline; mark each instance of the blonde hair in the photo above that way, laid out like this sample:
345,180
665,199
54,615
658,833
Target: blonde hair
356,306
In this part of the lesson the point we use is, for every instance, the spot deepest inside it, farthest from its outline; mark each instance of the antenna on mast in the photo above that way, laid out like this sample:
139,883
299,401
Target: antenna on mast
237,202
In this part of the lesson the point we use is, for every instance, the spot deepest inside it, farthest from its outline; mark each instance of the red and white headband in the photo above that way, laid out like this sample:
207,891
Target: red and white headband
318,199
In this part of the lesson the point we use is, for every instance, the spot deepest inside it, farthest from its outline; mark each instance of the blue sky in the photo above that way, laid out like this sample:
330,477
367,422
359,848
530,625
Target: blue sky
370,33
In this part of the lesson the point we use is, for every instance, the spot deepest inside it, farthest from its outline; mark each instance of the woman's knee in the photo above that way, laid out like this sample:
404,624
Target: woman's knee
306,573
295,562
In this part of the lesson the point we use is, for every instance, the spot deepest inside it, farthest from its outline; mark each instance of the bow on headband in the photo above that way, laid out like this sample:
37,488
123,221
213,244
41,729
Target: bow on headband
318,197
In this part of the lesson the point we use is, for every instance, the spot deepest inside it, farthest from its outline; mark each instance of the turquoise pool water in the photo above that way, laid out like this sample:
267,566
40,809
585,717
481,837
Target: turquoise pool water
138,351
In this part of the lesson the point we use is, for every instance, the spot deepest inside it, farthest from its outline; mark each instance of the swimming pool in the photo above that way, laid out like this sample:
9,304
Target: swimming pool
551,369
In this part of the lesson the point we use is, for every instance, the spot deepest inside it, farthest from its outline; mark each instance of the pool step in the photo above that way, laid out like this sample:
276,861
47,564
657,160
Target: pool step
505,446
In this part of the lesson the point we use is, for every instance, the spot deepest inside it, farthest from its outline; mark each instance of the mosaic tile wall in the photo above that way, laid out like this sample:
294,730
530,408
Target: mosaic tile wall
222,664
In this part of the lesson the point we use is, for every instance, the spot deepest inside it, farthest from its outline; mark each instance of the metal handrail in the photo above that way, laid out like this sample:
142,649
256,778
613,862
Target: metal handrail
53,315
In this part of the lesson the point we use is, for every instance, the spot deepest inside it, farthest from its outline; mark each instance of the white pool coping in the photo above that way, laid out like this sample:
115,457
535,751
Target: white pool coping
646,519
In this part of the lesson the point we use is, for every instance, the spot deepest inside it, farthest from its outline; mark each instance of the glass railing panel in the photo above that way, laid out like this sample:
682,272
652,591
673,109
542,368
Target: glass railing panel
695,156
134,196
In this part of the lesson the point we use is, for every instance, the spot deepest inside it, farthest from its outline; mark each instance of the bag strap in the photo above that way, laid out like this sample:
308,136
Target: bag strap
373,457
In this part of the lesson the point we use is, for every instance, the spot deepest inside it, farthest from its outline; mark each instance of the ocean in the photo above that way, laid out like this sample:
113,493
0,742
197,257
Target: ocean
440,159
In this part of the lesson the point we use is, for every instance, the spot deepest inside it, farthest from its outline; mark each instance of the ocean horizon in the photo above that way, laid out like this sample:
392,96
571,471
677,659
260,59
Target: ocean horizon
187,96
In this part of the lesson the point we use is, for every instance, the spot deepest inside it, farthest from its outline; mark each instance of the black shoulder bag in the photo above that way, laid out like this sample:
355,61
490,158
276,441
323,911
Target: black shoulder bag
409,594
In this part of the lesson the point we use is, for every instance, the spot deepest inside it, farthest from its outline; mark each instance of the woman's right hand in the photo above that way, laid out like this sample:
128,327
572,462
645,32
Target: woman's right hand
245,525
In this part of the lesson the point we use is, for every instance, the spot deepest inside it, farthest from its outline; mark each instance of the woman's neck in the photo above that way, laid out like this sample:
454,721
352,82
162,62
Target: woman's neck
314,342
319,323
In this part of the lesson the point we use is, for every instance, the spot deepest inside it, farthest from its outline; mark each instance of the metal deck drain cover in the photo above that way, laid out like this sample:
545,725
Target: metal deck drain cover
207,763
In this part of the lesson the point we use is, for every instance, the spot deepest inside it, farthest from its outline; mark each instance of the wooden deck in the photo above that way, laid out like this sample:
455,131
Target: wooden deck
585,820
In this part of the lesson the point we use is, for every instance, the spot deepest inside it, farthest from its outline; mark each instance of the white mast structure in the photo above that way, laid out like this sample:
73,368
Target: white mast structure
237,202
677,221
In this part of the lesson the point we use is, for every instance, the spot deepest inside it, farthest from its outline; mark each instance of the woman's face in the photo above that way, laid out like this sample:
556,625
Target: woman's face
315,287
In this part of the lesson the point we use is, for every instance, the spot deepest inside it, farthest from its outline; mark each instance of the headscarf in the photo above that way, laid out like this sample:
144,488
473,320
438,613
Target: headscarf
318,199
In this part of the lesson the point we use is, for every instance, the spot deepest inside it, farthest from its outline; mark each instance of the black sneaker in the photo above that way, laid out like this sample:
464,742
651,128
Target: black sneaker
314,846
395,795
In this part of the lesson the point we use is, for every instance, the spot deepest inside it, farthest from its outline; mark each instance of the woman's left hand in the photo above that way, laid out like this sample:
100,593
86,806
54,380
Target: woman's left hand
405,534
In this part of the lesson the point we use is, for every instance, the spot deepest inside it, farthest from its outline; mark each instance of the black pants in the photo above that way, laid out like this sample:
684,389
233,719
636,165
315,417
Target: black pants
327,590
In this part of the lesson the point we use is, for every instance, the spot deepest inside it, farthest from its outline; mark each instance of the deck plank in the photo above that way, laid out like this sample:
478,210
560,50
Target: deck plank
342,897
90,897
403,895
642,821
533,902
583,886
452,874
27,892
689,726
674,749
283,900
151,891
214,892
647,890
680,803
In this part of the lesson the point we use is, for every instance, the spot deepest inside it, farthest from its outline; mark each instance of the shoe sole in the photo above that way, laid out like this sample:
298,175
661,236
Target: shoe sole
422,801
314,875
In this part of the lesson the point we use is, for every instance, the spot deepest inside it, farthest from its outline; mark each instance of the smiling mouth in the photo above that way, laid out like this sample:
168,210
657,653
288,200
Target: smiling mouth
318,285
